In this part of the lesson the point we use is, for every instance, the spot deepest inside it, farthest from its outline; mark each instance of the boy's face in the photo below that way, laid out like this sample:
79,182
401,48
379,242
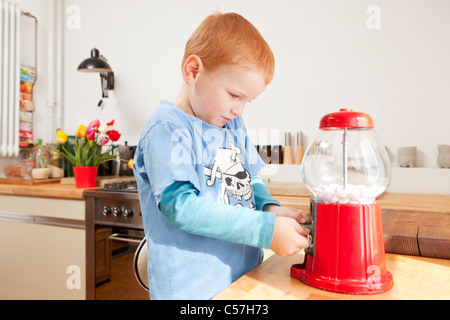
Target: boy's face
219,96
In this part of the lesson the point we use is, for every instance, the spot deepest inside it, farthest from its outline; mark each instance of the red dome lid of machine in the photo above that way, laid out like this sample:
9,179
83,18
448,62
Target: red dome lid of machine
346,118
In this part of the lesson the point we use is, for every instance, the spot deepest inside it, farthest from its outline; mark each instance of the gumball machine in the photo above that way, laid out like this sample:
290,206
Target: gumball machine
346,168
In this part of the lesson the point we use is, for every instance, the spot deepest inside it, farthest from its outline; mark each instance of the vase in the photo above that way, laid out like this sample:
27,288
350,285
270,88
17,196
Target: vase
85,177
407,157
444,156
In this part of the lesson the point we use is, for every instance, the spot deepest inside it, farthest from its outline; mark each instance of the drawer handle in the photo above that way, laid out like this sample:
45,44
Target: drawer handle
125,238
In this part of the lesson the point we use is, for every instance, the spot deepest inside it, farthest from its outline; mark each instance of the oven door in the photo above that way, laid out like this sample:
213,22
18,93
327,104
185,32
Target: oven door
115,249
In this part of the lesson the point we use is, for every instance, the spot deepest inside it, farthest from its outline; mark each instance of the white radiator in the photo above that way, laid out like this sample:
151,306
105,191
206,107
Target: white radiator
9,78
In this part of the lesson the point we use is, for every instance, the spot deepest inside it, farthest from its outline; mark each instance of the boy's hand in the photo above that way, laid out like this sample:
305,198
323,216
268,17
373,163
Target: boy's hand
288,235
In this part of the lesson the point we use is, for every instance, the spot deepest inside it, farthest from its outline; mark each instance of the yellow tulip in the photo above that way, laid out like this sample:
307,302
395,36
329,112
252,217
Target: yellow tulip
130,164
81,131
62,137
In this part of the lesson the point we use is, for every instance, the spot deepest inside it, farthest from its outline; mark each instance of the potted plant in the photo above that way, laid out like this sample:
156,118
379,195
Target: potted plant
91,148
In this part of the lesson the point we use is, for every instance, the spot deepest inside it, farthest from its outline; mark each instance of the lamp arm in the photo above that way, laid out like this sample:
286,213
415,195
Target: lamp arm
103,83
107,81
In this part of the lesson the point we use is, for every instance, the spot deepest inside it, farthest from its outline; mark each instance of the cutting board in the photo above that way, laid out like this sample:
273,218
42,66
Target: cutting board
417,233
101,180
27,181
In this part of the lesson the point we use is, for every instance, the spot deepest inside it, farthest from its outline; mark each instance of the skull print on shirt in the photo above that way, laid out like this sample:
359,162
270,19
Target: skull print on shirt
236,180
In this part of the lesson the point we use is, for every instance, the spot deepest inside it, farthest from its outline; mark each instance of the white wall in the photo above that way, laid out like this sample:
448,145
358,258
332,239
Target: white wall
143,42
326,58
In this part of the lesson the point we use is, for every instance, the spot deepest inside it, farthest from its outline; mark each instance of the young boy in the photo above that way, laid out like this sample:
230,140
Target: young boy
206,212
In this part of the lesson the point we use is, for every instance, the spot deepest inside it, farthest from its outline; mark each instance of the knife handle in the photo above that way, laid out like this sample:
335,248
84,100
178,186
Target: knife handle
299,154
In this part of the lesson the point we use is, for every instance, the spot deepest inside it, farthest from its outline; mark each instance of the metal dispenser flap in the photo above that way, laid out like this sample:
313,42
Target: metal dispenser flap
311,250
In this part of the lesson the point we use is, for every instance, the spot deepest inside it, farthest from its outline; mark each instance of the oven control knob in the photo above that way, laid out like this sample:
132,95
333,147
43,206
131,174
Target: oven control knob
106,210
117,211
128,212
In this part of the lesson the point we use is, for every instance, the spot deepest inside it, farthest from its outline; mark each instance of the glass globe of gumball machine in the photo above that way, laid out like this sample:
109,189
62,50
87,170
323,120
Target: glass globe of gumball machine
346,168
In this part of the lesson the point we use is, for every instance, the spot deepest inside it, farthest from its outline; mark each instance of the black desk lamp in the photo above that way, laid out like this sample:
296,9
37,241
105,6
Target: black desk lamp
97,63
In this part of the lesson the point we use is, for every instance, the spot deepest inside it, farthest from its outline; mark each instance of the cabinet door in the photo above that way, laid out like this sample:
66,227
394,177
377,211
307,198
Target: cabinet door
102,255
41,262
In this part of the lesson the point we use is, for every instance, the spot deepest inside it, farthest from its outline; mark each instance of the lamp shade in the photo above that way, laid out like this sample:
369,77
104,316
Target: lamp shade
95,63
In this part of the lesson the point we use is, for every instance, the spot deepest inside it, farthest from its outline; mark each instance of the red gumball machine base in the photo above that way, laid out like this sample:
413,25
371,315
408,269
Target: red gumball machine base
347,250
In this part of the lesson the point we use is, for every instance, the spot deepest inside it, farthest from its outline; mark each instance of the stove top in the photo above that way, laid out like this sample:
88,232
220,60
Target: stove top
115,205
125,186
119,190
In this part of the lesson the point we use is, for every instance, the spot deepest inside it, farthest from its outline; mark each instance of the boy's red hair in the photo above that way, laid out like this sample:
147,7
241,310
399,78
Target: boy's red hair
230,39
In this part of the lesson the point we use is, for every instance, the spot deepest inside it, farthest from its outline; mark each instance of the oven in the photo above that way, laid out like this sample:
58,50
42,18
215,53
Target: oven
114,233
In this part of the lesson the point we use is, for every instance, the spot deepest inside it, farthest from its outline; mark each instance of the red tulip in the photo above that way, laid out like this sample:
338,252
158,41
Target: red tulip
94,124
114,135
104,140
91,135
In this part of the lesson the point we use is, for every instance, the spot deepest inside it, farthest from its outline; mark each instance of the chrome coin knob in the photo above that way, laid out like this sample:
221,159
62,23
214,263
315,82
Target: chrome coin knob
117,211
128,212
106,210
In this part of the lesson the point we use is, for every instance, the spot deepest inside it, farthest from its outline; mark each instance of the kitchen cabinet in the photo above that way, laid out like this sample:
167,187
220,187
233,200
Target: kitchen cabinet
42,248
102,255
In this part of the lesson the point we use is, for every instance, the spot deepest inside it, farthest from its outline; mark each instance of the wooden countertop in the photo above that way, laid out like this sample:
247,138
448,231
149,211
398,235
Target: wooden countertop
61,190
51,190
415,202
295,189
287,192
414,278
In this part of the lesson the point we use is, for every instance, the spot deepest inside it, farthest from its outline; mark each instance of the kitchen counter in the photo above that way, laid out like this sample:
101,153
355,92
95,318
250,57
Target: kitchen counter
50,190
61,190
293,193
294,189
287,192
414,278
69,191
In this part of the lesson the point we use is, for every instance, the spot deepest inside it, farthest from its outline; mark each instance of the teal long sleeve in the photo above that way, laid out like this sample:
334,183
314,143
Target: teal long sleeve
262,195
183,208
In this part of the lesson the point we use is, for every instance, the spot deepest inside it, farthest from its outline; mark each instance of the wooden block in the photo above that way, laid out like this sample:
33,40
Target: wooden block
417,233
400,232
401,239
434,241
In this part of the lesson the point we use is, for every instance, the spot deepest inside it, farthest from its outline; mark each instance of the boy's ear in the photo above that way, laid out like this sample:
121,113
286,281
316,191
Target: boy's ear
191,68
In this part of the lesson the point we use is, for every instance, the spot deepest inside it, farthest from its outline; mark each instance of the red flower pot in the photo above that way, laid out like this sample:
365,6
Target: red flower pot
85,177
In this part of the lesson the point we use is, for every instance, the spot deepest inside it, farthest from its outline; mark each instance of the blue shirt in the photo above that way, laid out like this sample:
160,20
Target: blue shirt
197,198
